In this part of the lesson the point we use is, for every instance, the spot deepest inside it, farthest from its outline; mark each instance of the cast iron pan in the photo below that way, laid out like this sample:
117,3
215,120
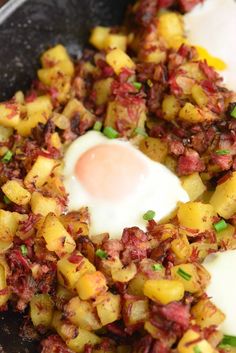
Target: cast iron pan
27,27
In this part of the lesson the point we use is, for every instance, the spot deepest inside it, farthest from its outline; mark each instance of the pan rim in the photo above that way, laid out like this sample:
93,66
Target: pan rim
7,9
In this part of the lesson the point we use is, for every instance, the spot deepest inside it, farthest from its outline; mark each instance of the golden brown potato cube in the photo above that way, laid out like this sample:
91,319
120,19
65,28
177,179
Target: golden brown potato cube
181,248
191,342
196,215
54,55
193,185
44,205
82,314
8,225
9,114
103,90
124,274
227,237
109,308
71,267
56,236
154,148
5,292
119,60
224,198
207,314
16,192
63,296
82,338
66,330
91,285
77,225
5,133
164,291
114,40
195,115
170,26
199,95
40,171
98,37
170,107
41,310
188,275
135,310
155,56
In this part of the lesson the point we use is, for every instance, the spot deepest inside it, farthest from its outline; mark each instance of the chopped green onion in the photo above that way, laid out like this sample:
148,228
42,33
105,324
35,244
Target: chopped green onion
233,112
140,131
97,126
149,215
222,152
137,85
221,225
157,267
183,274
110,132
7,156
24,250
228,341
196,349
149,82
6,200
101,253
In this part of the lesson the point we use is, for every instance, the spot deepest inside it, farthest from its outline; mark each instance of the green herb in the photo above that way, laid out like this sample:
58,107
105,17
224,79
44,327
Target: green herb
97,126
228,341
6,200
157,267
196,349
183,274
137,85
149,82
101,253
221,225
7,156
222,152
233,112
24,250
149,215
109,132
140,131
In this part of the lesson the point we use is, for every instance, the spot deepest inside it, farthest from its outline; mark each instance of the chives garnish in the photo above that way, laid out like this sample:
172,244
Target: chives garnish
24,250
7,156
101,253
140,131
149,215
97,126
6,200
228,341
183,274
221,225
149,82
157,267
109,132
233,112
196,349
222,152
137,85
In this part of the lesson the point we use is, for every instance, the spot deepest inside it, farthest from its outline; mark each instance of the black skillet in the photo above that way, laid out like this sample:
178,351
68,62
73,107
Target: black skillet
27,27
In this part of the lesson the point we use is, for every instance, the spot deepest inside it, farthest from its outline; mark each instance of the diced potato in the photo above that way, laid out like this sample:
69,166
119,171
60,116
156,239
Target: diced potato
70,269
66,330
170,26
55,141
196,215
5,133
192,70
82,338
124,274
5,245
109,308
181,248
82,314
8,225
56,236
136,285
16,192
170,107
114,40
39,173
199,95
37,112
98,36
224,198
154,148
4,291
193,185
41,310
227,237
188,275
192,342
103,90
91,285
155,56
207,314
75,107
119,60
19,97
44,205
195,115
77,225
54,56
63,296
9,114
164,291
202,249
135,310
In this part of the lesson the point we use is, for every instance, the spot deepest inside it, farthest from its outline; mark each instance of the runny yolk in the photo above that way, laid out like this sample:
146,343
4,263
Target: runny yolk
110,172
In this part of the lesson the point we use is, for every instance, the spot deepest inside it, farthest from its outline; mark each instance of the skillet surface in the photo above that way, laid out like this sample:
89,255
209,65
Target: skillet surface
27,27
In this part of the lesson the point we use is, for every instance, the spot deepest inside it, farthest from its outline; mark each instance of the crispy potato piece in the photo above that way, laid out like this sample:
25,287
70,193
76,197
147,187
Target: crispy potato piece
170,26
109,308
74,107
224,198
186,346
5,133
170,107
207,314
164,291
44,205
181,248
188,275
82,338
91,285
8,225
135,311
193,185
194,115
199,95
9,113
16,192
41,310
114,40
77,225
124,274
39,172
119,60
98,36
54,55
56,237
196,215
154,148
3,286
103,90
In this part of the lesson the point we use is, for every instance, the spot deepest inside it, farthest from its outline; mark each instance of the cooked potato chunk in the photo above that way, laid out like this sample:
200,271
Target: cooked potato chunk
5,293
154,148
207,314
109,308
196,215
199,95
54,56
103,90
192,339
9,114
16,192
98,36
170,107
75,107
116,41
193,185
41,310
82,338
8,225
224,198
39,172
164,291
171,27
124,274
44,205
91,285
181,248
119,60
195,115
188,275
135,310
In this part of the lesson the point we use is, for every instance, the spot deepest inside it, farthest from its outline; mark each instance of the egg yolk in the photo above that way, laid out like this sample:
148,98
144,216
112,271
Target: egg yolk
110,172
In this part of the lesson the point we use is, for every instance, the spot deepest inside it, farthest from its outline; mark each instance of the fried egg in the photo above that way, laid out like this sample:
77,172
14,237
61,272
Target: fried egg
118,183
211,27
222,288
